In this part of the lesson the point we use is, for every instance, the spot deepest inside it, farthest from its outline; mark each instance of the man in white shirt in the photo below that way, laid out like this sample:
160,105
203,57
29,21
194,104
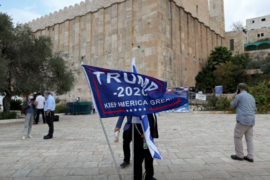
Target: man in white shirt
40,101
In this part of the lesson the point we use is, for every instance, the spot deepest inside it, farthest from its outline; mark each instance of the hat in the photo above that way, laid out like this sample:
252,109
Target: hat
48,92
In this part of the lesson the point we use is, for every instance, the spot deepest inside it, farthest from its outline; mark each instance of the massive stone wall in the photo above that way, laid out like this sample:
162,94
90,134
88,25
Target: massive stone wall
87,6
198,9
70,12
168,42
185,45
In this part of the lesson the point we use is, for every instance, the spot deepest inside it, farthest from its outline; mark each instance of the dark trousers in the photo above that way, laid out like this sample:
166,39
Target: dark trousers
126,144
37,116
141,154
49,119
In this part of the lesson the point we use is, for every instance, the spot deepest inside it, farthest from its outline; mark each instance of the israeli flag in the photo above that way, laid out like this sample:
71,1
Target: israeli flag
146,128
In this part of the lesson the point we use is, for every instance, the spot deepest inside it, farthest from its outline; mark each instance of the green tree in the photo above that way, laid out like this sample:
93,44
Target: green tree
241,59
28,63
219,56
229,76
205,79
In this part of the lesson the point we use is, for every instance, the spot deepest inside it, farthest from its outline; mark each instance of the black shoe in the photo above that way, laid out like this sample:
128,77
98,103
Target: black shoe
234,157
151,179
247,159
124,164
47,137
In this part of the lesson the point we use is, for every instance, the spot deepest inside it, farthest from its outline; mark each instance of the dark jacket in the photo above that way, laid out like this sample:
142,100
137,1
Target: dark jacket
25,106
152,118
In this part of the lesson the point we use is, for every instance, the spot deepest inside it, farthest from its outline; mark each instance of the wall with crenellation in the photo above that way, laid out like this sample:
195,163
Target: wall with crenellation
185,44
168,42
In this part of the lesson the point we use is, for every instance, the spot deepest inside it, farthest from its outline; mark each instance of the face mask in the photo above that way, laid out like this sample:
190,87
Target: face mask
30,97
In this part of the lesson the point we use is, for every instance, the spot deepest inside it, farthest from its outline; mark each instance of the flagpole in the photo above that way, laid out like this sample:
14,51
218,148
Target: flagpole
117,169
132,174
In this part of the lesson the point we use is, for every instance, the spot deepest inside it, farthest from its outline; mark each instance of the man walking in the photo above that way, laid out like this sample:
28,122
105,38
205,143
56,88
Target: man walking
40,101
49,110
245,120
126,138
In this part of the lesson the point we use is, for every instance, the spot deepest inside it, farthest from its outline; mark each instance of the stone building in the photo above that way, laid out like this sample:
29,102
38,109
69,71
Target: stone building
254,41
171,39
258,22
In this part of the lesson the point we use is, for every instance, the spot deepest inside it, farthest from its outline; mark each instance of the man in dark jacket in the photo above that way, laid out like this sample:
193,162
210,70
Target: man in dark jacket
141,151
126,138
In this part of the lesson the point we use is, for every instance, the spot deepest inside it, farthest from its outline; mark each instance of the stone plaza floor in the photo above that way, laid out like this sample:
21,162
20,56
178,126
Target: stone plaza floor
194,146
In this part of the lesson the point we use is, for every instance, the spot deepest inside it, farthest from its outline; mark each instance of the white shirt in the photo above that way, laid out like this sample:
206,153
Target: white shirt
40,102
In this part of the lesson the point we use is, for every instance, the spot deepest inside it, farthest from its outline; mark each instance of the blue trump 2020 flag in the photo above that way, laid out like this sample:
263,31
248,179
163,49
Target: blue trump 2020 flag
146,128
120,93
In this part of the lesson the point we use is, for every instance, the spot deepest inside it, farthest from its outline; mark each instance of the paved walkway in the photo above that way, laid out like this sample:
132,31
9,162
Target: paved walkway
193,146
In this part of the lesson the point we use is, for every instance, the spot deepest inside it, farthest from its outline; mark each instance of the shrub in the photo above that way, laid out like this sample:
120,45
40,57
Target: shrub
12,115
265,66
261,93
57,100
223,104
254,65
212,102
16,104
217,103
229,76
60,109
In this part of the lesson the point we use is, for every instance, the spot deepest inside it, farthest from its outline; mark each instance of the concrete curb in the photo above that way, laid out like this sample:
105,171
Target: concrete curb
9,121
212,112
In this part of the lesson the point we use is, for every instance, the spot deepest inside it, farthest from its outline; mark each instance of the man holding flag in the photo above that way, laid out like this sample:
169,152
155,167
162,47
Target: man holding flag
120,93
141,150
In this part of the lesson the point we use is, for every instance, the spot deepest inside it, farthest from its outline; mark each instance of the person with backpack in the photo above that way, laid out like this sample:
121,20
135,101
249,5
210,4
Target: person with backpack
29,111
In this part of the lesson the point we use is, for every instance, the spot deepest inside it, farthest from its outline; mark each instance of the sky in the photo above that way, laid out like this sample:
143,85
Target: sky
23,11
